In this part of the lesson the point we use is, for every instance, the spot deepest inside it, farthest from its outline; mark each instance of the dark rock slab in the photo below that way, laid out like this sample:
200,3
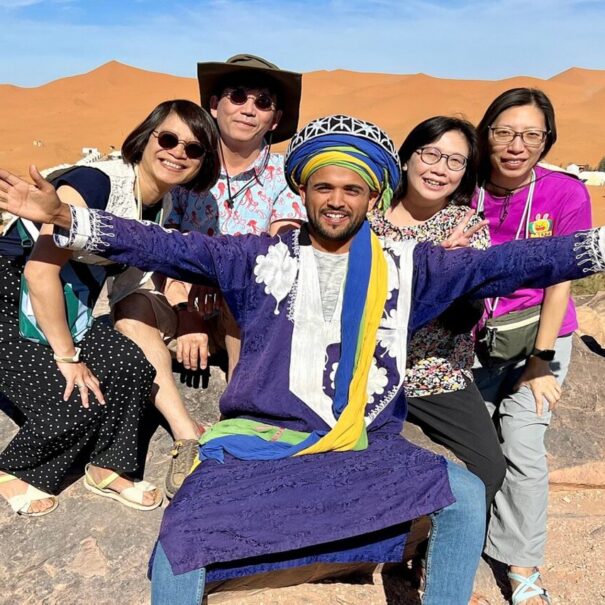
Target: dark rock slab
576,438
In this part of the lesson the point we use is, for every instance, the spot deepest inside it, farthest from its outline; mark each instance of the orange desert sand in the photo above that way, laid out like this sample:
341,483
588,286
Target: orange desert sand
99,108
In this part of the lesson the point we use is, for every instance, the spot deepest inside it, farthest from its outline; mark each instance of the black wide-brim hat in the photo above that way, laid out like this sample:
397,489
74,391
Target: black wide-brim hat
288,86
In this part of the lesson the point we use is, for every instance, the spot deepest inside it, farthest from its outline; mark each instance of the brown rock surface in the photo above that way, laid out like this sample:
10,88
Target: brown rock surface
591,317
575,441
93,549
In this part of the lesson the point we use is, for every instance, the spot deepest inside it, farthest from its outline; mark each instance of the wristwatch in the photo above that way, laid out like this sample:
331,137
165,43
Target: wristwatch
69,358
182,306
543,354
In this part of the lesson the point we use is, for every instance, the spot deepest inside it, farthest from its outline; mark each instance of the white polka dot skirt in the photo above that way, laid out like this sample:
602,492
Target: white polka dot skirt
55,432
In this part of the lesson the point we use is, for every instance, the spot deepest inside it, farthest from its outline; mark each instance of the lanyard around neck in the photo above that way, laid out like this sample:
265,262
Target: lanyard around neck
137,193
254,178
525,219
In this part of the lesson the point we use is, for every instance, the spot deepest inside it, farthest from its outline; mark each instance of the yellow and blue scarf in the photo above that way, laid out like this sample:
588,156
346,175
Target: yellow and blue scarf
363,304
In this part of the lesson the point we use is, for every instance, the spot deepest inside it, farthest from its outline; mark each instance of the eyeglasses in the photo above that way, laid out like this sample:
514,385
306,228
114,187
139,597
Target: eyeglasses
532,137
239,96
432,155
169,140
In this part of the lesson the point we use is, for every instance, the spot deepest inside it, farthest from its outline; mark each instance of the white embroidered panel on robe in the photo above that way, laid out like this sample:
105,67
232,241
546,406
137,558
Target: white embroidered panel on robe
311,337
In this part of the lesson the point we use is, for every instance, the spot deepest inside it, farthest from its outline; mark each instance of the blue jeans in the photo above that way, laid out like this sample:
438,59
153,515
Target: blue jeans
451,563
456,541
170,589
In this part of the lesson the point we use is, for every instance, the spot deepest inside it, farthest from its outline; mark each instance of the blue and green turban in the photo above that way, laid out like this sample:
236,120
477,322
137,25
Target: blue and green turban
347,142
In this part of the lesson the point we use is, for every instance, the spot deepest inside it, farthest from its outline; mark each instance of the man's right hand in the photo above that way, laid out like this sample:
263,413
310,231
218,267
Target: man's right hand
36,202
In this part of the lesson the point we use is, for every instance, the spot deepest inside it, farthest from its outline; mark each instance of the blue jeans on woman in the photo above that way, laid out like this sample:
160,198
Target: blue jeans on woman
453,553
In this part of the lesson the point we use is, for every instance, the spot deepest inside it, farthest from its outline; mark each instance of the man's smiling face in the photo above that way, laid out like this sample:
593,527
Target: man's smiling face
337,201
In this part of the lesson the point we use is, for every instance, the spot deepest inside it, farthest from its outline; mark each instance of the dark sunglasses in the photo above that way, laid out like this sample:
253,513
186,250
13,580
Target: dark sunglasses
169,140
239,96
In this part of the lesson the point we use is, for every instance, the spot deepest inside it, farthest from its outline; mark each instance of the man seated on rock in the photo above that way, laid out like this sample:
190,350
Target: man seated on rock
254,104
309,464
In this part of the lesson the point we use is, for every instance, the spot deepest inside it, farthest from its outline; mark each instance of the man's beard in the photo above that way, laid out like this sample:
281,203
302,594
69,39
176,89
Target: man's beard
341,236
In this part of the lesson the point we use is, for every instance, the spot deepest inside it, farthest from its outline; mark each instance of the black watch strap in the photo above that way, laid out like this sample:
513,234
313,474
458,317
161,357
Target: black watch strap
544,354
182,306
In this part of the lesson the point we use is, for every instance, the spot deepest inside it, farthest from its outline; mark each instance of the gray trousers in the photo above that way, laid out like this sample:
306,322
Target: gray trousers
517,529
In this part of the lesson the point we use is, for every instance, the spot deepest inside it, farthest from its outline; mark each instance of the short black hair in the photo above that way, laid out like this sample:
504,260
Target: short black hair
201,125
514,97
428,132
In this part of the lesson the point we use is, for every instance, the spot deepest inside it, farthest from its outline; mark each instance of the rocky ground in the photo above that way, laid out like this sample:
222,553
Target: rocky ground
94,550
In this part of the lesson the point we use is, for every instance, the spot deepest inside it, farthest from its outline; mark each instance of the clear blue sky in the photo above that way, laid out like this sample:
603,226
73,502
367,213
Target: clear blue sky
41,40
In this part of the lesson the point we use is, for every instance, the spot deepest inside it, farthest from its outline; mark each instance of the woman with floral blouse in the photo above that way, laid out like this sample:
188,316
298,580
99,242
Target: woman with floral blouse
439,175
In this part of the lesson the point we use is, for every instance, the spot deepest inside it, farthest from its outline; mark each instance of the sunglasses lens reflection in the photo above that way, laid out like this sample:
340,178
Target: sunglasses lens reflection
239,96
194,151
264,102
168,140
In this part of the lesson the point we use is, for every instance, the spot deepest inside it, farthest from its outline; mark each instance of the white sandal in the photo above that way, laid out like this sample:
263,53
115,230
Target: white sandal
133,497
22,502
528,588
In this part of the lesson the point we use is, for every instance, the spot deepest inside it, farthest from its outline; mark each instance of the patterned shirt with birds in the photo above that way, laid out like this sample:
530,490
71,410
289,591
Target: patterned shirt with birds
259,196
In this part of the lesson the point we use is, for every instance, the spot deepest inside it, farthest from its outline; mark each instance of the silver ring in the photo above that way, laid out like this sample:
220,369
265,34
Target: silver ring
80,386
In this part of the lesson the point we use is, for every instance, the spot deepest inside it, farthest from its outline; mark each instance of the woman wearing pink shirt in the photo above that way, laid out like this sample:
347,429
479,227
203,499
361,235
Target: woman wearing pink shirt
521,200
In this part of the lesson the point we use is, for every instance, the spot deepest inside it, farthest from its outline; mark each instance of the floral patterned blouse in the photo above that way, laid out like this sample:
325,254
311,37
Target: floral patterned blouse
438,361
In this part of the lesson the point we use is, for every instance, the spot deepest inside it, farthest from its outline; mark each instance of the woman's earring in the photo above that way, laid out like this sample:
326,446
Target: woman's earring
405,167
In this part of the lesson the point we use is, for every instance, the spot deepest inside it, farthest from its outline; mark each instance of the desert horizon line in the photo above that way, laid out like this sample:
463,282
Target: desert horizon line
113,62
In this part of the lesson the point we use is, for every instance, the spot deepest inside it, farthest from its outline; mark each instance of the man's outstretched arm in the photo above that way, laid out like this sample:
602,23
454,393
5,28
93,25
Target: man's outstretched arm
191,257
442,276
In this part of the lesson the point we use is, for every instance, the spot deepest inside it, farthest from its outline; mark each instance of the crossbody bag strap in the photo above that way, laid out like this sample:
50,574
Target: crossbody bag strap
28,232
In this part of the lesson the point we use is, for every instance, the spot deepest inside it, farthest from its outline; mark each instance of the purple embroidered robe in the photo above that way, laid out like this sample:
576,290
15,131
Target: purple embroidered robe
242,517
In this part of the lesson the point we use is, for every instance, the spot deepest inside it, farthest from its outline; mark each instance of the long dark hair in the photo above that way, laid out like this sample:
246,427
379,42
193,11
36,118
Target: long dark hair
201,125
428,132
514,97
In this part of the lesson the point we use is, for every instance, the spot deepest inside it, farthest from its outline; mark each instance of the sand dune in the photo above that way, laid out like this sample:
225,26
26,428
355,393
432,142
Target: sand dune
98,108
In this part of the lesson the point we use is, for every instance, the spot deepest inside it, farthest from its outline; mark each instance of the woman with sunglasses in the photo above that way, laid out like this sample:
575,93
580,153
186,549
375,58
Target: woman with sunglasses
439,159
88,391
522,199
